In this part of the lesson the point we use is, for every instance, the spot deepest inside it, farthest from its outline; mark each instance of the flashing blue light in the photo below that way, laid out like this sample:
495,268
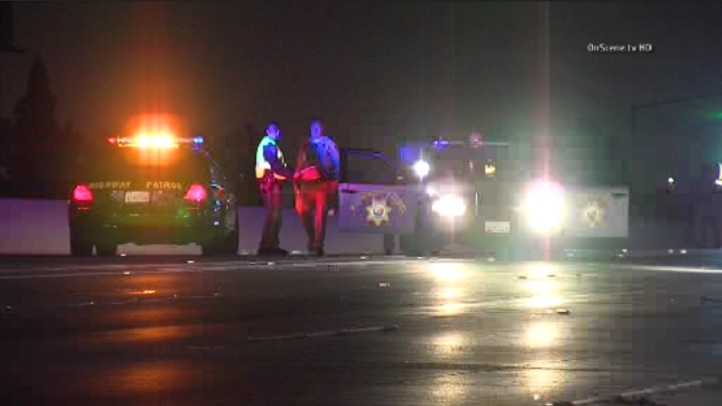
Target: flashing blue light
439,144
409,154
198,140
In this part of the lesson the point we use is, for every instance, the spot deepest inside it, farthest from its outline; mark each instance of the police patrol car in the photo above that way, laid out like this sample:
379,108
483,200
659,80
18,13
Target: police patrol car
152,188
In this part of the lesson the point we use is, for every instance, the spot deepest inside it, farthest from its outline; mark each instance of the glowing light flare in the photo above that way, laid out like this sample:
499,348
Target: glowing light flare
421,168
541,287
449,206
445,272
542,334
196,193
143,292
82,193
544,206
449,293
450,309
157,130
539,381
159,140
544,302
540,269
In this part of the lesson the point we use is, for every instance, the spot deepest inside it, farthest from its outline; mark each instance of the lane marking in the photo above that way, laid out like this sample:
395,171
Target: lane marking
318,334
301,263
652,390
667,268
225,267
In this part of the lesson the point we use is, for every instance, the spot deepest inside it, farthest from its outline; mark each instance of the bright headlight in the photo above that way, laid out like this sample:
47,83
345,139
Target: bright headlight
421,168
544,207
449,206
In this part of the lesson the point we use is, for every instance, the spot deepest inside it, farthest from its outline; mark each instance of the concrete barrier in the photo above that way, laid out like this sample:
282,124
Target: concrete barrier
40,227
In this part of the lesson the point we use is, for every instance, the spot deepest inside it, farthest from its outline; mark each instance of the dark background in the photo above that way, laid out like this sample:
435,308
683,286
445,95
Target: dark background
381,73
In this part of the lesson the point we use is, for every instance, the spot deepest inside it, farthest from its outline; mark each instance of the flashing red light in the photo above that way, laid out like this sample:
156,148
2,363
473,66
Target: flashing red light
196,193
82,194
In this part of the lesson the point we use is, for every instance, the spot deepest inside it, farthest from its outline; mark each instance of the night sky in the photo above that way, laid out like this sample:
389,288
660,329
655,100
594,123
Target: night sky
375,71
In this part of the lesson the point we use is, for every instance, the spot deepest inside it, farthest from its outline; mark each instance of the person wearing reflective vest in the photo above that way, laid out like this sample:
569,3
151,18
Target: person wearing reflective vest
315,182
271,172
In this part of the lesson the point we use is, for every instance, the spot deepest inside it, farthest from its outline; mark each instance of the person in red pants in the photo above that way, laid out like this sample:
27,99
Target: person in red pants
315,182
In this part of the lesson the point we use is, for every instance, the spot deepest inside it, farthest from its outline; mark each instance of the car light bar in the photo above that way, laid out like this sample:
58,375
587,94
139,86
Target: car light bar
154,141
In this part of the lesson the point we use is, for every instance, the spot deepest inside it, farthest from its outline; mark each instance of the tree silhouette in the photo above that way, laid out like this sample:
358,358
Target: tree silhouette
36,110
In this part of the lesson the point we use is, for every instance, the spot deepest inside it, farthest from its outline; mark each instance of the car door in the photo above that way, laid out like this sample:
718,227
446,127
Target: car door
372,196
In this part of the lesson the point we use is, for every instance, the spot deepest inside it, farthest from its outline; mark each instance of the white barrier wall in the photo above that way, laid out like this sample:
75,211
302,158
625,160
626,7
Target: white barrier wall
40,227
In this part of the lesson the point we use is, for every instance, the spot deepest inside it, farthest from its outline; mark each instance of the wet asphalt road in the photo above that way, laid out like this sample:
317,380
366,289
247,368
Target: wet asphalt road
352,331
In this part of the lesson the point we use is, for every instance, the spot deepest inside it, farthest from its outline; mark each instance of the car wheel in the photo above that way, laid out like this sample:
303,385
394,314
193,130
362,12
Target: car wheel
212,244
230,242
389,244
209,249
80,244
106,249
407,243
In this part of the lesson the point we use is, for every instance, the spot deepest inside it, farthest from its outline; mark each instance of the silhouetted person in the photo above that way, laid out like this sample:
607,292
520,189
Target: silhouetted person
315,181
271,172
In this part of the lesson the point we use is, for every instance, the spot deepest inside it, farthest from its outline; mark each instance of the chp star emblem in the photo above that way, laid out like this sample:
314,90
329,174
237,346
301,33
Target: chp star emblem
378,213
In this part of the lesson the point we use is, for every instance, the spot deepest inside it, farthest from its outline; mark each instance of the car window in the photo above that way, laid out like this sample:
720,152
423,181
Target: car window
368,167
476,163
216,172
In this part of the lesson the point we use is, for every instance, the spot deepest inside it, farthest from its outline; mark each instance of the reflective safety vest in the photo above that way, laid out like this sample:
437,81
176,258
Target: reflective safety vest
262,165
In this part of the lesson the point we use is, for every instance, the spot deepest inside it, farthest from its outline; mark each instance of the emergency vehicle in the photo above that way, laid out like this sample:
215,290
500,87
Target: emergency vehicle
478,194
475,194
152,186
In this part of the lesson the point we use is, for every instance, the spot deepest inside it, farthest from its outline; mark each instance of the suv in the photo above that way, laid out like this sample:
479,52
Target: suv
152,190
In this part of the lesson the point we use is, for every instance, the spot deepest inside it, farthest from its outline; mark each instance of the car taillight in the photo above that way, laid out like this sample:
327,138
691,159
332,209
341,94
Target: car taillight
196,193
82,194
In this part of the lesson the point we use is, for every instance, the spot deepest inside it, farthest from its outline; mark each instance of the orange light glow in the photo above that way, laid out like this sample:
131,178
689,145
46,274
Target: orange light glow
158,131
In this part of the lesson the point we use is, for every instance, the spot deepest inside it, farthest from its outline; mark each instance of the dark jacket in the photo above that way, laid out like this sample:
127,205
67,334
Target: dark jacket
323,154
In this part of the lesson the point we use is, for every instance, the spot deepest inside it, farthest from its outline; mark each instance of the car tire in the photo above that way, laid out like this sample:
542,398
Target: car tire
407,244
80,244
230,242
209,249
212,245
389,244
106,249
